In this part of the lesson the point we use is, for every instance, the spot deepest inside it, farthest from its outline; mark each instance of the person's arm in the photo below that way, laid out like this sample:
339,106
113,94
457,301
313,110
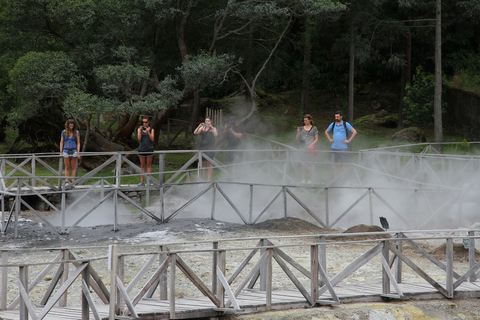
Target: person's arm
151,134
214,130
61,144
198,129
139,133
298,133
235,134
354,133
78,143
327,133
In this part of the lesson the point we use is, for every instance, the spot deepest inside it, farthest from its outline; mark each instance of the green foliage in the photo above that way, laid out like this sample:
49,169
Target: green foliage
462,147
418,101
39,81
204,70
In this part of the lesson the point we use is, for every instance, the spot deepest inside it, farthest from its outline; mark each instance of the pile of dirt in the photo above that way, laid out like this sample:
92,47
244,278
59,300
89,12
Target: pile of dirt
362,228
460,253
286,225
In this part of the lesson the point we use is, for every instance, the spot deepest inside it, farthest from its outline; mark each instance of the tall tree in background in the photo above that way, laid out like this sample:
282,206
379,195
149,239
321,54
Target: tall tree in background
437,105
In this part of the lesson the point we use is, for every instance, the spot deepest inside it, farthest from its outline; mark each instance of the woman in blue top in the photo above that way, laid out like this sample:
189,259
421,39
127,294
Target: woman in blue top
145,135
70,148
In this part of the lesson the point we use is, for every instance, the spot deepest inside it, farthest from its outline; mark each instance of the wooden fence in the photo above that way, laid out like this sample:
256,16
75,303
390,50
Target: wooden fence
235,275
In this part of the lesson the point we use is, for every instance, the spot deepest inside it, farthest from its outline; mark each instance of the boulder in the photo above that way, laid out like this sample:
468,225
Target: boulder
411,134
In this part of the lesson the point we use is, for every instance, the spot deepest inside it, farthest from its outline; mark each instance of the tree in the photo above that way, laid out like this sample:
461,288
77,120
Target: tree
437,104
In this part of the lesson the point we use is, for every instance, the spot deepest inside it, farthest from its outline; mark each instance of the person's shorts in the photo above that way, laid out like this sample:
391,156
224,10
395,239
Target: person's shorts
232,156
339,156
69,153
146,154
209,153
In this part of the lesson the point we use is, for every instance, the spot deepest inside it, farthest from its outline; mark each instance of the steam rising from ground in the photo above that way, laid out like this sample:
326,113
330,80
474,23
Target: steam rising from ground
411,191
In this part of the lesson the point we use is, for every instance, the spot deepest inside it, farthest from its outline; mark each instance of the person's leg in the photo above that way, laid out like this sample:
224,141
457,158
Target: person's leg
210,170
66,161
143,162
73,166
148,161
334,160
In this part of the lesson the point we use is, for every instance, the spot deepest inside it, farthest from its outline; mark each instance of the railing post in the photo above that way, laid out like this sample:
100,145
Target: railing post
113,265
398,262
268,276
118,170
173,263
385,278
163,288
18,205
32,170
115,209
162,203
214,195
262,268
221,263
3,296
85,306
214,267
23,281
250,206
322,255
200,172
314,272
2,207
327,213
449,265
471,254
60,173
370,200
62,302
121,275
285,209
161,168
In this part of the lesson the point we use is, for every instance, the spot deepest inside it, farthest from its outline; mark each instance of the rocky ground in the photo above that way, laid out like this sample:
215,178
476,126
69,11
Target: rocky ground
93,241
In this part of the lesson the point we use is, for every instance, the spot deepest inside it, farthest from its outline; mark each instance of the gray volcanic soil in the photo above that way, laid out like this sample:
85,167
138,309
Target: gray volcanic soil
32,233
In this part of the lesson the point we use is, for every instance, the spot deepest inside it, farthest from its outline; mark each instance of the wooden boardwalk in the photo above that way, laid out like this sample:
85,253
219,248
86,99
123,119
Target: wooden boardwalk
249,287
254,300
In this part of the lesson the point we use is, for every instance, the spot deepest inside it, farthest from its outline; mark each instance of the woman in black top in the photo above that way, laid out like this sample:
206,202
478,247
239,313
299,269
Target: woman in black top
145,135
208,133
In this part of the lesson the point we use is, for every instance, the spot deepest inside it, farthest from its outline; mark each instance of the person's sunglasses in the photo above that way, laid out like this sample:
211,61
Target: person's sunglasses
145,121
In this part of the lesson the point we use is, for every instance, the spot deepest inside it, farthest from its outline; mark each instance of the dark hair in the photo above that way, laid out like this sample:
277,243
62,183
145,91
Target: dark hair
309,117
339,113
67,127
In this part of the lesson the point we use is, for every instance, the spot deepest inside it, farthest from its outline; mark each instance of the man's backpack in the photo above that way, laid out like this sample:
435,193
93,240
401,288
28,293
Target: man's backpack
344,125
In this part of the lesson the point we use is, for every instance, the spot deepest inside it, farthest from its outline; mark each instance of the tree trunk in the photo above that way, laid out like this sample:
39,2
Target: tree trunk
158,120
406,76
437,101
307,53
87,133
196,107
351,72
125,132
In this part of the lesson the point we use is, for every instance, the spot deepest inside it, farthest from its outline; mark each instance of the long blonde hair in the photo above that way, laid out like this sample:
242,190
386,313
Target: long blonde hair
67,128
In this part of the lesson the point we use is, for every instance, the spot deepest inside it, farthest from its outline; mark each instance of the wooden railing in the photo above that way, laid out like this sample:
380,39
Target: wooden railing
221,271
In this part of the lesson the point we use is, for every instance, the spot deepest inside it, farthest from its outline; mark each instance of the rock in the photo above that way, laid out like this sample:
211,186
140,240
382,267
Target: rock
412,134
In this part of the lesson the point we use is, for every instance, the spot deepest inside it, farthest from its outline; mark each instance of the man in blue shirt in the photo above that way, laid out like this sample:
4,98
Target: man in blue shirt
340,139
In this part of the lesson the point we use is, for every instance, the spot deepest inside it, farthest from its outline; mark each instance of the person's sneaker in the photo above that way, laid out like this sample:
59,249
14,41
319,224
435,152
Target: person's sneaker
141,184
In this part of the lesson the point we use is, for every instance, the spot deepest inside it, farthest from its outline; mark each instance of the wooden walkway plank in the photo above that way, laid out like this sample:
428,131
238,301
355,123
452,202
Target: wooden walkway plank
251,300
